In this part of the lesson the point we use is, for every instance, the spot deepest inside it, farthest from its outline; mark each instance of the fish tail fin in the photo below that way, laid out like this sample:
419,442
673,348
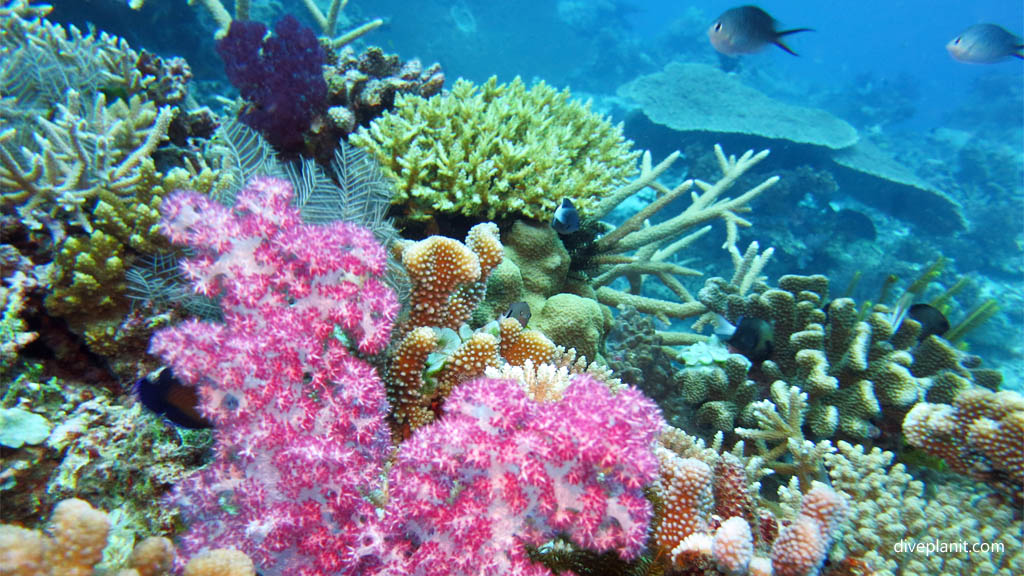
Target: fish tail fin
1018,54
784,47
782,33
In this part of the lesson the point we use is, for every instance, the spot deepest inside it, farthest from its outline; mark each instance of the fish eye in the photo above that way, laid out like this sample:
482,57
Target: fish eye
957,40
718,26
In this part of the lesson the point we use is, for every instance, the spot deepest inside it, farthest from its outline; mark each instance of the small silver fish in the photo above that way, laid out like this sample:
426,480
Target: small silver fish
985,44
747,29
566,219
520,311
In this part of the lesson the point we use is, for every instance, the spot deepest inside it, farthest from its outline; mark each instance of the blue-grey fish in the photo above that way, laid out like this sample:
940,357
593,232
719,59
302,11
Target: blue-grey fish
520,311
747,29
566,219
985,44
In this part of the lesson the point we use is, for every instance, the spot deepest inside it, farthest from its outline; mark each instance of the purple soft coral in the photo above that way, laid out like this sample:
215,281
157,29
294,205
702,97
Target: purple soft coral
301,435
499,472
280,77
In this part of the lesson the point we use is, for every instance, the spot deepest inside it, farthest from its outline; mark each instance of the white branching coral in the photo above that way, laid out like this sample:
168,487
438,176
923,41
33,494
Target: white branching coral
636,249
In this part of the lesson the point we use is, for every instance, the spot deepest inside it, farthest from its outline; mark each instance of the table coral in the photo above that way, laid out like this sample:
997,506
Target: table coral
496,151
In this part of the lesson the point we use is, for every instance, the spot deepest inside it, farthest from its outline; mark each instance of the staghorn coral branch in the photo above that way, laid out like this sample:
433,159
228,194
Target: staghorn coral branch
316,13
332,16
648,176
352,35
219,14
662,309
705,206
153,139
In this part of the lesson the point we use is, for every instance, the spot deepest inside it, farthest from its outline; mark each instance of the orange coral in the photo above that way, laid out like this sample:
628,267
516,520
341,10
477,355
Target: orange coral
686,492
449,278
468,362
518,345
436,267
405,378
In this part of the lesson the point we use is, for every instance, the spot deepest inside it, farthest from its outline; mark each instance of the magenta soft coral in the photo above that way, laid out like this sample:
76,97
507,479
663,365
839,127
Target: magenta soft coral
499,472
301,435
300,421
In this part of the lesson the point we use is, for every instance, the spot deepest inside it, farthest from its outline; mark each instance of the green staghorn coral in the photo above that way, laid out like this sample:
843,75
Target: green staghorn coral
89,288
497,151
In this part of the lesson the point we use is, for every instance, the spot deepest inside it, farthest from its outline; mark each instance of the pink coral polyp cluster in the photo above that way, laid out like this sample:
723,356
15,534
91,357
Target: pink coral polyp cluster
259,256
500,472
301,435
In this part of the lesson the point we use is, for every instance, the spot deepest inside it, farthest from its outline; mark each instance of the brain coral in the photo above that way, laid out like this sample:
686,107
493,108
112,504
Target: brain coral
497,151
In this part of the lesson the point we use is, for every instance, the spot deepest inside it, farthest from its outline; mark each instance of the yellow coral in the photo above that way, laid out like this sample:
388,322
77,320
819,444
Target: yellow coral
220,562
497,151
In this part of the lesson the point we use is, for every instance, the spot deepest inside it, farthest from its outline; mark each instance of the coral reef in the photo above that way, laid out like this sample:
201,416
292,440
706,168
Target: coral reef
496,151
851,365
981,434
636,249
706,517
439,350
75,544
327,22
892,516
363,86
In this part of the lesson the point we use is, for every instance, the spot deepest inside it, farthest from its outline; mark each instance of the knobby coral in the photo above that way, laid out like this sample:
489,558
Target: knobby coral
981,434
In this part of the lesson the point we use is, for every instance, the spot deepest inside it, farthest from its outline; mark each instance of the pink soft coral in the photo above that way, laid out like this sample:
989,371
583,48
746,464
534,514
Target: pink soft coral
499,472
301,435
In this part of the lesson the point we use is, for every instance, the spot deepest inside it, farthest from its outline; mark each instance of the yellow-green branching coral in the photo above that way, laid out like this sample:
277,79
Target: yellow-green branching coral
497,151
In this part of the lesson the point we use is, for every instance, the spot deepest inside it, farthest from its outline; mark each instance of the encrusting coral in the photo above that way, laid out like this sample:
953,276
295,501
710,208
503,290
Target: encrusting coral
496,151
